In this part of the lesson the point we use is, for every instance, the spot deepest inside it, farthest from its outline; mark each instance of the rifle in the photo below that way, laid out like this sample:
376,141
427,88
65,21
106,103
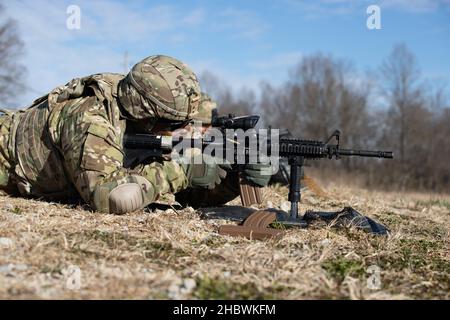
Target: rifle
249,194
296,151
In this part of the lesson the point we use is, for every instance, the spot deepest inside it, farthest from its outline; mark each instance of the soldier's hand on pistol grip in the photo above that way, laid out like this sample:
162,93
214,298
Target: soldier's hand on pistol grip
258,174
206,174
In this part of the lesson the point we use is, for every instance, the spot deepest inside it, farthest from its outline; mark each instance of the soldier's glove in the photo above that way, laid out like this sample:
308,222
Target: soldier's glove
207,174
259,174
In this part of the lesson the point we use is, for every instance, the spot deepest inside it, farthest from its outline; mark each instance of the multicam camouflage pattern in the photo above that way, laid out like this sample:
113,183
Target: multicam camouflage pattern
37,158
160,87
206,106
70,142
6,123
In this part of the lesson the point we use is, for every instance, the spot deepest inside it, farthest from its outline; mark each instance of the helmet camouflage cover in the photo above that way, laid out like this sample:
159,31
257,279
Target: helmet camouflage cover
160,87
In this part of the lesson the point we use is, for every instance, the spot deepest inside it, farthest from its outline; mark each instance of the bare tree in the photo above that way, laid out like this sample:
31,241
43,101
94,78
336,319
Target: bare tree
324,93
11,71
441,152
321,95
432,134
407,120
400,77
244,102
415,125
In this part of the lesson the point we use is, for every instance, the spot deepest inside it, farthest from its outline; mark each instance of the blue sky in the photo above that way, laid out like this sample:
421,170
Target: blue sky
242,42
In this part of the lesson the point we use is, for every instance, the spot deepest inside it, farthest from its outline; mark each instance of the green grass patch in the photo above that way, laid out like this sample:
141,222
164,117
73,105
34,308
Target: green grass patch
160,250
427,268
341,267
215,241
391,218
279,225
419,255
112,239
92,243
17,210
56,269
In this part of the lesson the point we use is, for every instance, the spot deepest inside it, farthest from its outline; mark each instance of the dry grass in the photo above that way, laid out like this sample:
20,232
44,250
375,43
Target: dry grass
169,254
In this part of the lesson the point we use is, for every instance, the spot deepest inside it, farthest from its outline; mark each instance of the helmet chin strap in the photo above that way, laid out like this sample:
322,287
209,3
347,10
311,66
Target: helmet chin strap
192,97
123,111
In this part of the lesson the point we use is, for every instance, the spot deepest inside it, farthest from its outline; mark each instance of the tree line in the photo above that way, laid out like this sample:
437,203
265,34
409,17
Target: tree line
392,108
11,71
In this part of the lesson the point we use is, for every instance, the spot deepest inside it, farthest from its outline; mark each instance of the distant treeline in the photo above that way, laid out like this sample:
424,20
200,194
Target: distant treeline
391,108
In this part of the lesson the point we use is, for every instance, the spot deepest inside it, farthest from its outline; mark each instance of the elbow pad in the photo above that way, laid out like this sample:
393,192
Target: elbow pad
127,197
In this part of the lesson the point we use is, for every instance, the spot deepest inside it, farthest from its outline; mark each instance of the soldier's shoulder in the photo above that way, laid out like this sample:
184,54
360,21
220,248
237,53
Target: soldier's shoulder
108,77
80,108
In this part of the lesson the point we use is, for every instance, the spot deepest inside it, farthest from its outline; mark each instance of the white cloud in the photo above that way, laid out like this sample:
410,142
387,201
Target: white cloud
195,18
256,72
279,61
326,8
236,78
242,24
417,6
54,54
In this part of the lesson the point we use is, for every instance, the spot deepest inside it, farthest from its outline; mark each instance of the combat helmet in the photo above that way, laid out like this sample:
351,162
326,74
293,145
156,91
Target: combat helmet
160,87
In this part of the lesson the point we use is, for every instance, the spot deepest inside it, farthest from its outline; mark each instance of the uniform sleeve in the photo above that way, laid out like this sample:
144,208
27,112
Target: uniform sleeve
93,157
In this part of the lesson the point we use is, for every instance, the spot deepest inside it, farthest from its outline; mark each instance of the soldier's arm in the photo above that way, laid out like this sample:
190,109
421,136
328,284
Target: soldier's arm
94,158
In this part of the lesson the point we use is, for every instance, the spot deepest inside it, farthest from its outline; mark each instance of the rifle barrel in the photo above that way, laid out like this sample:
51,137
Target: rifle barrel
366,153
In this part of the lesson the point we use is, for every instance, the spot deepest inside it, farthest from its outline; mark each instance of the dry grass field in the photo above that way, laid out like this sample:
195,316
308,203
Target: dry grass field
53,251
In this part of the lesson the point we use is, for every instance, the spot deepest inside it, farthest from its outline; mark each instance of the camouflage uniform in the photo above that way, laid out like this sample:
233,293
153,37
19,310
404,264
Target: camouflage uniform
205,109
69,142
228,189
